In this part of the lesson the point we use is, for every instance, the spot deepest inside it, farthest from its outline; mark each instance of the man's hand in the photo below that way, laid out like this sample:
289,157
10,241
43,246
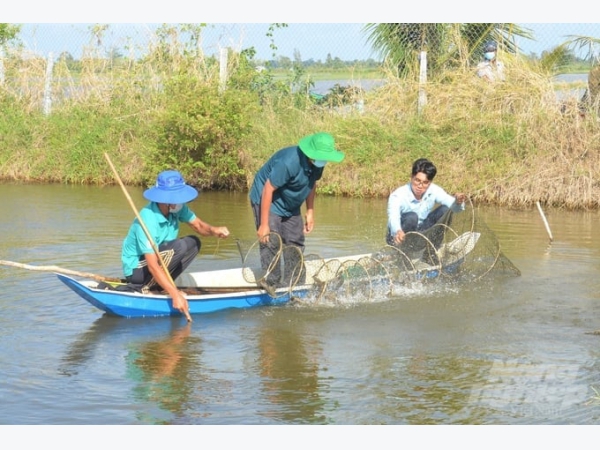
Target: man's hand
309,223
399,237
181,304
263,233
220,232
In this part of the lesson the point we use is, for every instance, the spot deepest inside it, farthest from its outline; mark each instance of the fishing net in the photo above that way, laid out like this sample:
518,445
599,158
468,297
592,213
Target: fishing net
460,247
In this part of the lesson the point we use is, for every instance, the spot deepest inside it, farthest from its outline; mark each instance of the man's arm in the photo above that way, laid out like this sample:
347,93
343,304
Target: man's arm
179,301
310,210
456,202
204,229
394,214
265,206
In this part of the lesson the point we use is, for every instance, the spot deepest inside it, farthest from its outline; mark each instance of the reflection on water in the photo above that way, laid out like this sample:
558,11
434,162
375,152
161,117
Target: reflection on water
508,351
82,350
437,389
289,369
162,361
162,369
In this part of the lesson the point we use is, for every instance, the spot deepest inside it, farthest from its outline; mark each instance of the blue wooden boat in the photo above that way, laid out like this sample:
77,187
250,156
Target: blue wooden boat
206,292
219,290
137,304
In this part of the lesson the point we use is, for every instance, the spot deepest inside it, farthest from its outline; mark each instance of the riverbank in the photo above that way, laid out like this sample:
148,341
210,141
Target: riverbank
510,144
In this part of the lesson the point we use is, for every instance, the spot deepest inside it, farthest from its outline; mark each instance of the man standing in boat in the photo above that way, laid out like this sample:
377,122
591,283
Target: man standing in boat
161,217
286,181
419,205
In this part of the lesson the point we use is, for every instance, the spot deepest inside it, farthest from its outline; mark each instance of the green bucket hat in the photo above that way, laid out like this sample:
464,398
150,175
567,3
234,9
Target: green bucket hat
320,146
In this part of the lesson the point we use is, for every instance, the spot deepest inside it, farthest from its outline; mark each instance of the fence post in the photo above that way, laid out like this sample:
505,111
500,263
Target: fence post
48,84
422,81
223,69
1,66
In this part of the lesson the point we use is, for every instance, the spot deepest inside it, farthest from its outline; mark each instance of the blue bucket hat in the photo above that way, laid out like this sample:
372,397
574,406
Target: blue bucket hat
490,46
170,188
321,146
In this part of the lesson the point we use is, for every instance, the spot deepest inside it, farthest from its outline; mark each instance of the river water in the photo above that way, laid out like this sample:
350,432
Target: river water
517,350
325,86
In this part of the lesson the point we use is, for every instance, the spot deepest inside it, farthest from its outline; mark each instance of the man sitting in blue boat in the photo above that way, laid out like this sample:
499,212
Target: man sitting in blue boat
412,208
161,217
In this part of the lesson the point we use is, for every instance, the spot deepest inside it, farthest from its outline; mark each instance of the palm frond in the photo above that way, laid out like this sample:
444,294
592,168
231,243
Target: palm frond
447,44
591,45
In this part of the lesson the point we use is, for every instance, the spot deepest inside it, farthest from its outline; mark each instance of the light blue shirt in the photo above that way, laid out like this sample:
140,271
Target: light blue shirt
402,200
161,229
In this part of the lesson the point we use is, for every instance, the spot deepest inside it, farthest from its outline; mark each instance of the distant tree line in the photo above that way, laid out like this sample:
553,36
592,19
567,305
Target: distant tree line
284,62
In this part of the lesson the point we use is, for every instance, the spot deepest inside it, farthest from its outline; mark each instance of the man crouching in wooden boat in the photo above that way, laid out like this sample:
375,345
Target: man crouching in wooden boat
412,208
161,217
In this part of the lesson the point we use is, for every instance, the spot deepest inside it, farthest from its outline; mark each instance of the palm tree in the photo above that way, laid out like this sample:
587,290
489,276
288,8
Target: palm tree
447,44
591,97
590,44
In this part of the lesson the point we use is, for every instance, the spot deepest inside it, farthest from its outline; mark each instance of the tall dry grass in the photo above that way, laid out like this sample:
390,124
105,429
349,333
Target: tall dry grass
511,143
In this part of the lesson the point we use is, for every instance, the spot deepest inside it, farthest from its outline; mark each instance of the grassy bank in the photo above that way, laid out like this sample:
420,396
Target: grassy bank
508,144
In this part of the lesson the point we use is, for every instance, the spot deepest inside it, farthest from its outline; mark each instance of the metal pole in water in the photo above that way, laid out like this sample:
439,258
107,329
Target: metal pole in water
545,221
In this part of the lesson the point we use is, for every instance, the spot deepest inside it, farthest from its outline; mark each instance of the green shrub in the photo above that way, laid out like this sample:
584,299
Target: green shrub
202,131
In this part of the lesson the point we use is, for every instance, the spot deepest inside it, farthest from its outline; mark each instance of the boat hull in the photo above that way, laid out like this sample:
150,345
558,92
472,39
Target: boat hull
134,304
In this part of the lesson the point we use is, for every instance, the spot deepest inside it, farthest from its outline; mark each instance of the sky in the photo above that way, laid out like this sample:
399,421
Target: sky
348,41
313,40
314,28
307,11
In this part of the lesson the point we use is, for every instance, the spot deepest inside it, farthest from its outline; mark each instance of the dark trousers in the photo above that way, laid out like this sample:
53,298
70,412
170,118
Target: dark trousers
177,255
440,215
291,231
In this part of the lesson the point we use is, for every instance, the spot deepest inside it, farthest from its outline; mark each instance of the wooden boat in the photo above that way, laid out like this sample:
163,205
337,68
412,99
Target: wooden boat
207,299
219,290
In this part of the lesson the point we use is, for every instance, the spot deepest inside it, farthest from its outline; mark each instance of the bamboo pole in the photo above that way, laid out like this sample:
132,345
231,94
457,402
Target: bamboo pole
57,269
545,221
146,232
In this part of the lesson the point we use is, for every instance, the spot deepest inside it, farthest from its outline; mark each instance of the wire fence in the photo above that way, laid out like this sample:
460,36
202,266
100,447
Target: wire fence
311,45
306,42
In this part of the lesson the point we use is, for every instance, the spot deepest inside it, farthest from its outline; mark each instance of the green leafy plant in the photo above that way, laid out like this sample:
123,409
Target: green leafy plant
201,131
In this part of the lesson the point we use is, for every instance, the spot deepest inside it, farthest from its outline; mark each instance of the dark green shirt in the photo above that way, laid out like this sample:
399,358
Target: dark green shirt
291,173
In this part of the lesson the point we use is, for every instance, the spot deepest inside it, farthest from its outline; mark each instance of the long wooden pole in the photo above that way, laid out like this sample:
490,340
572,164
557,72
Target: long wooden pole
57,269
146,232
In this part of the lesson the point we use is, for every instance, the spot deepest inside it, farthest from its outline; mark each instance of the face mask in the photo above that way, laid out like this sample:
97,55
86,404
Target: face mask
489,55
177,208
319,163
